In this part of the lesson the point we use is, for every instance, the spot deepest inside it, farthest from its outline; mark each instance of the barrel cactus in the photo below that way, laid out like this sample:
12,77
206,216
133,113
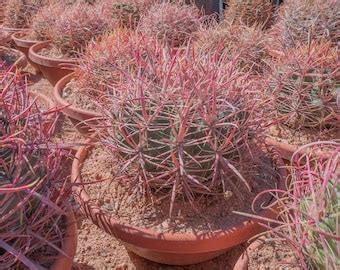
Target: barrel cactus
77,26
171,22
247,43
181,126
305,20
32,190
303,88
314,204
250,12
18,13
127,13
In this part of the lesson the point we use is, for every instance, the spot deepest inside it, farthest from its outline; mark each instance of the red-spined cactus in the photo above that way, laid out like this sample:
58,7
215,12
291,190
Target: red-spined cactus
247,43
250,12
104,61
33,194
18,13
127,13
45,19
303,88
171,23
300,22
77,26
181,124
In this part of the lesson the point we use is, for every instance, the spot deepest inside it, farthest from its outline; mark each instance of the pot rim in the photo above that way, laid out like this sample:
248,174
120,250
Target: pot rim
45,60
168,242
19,41
59,88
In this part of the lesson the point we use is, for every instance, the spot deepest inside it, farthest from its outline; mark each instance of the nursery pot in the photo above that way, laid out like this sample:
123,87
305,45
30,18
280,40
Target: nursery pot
24,45
166,248
79,117
285,150
53,69
69,244
243,261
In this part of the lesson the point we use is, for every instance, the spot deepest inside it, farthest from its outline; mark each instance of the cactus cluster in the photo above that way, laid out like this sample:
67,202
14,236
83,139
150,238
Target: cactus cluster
171,22
303,88
250,12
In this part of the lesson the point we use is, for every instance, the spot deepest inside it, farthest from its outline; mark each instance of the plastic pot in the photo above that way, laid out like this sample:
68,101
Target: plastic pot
166,248
53,69
24,45
80,118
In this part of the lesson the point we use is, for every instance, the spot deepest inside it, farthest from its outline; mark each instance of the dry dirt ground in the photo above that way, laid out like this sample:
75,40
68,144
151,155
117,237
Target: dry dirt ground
99,251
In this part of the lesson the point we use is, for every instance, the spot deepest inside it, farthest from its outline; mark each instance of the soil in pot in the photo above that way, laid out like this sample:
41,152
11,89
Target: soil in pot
53,52
74,95
273,254
123,199
299,137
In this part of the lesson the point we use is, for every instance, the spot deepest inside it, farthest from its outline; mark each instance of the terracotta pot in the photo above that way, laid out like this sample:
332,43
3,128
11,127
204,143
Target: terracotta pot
167,248
285,150
53,69
243,260
12,30
69,245
79,117
23,45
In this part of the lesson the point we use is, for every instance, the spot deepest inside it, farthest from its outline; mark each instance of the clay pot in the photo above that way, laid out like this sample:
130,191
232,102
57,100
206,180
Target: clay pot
23,45
69,244
166,248
243,260
53,69
285,150
79,117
